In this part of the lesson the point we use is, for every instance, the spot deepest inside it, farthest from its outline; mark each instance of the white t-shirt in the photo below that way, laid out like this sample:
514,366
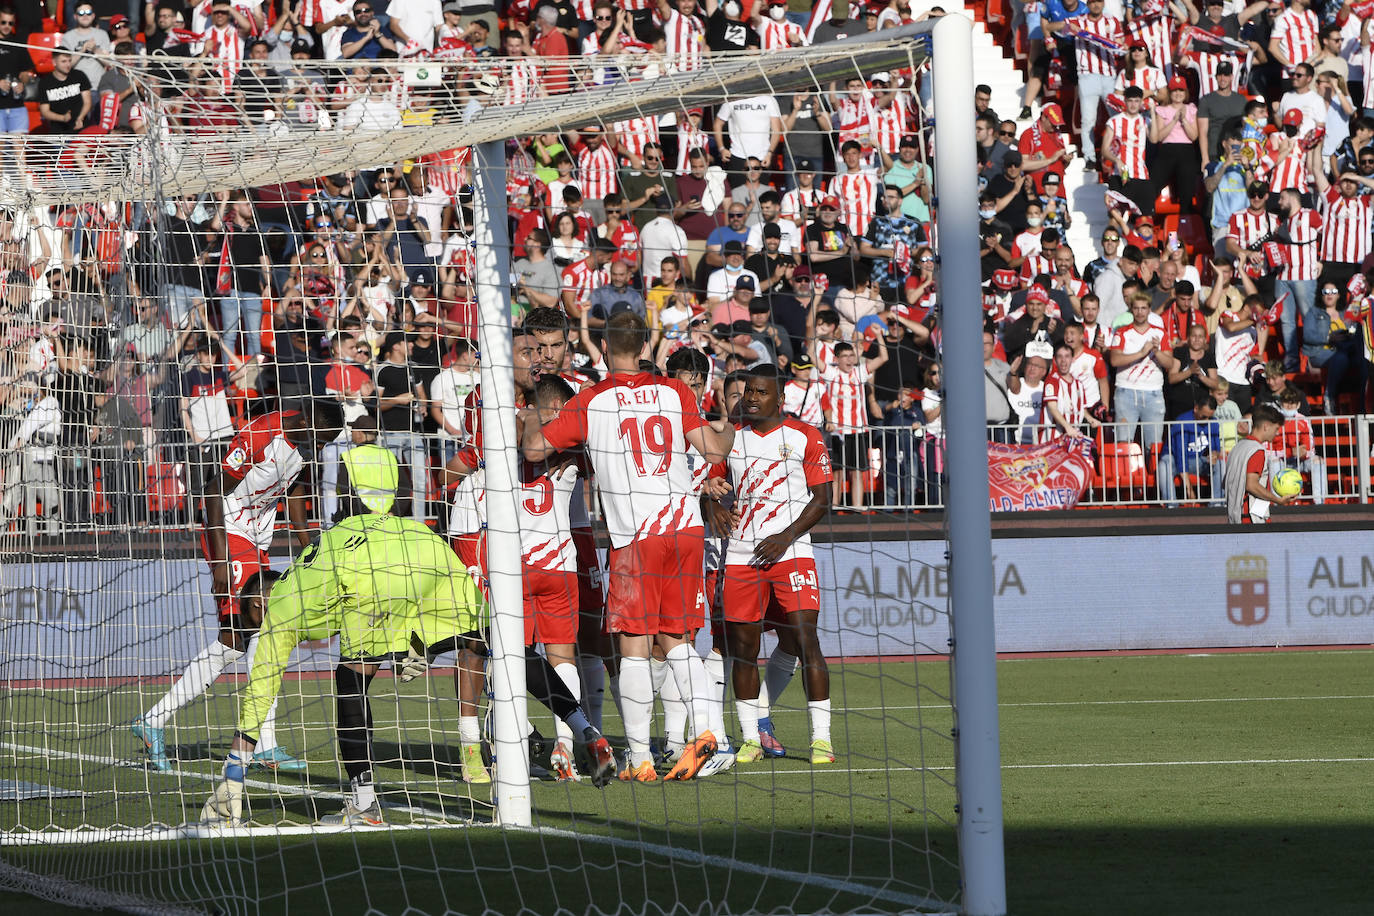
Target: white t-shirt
750,122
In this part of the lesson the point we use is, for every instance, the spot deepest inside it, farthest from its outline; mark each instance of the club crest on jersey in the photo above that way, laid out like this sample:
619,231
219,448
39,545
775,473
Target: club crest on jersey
235,459
785,451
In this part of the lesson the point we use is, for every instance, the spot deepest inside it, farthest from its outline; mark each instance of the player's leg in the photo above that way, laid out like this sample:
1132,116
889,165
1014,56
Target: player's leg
596,662
682,611
777,675
675,713
631,619
717,661
351,681
268,754
798,592
745,593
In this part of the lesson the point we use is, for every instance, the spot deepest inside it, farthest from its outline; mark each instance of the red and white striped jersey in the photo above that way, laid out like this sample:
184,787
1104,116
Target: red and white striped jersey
1346,232
803,401
544,514
779,36
583,9
1070,397
847,398
825,355
1149,79
1248,228
522,83
1088,367
263,467
773,474
635,430
1233,350
854,119
1027,245
890,123
634,6
688,139
635,134
581,278
318,11
1206,67
626,239
1290,171
1296,432
1129,136
1156,33
801,202
225,45
1304,228
596,172
686,41
1092,57
1296,33
1145,374
858,194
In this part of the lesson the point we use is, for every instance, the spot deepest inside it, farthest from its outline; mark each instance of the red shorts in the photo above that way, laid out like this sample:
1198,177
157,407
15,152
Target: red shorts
246,559
591,595
656,585
550,617
753,593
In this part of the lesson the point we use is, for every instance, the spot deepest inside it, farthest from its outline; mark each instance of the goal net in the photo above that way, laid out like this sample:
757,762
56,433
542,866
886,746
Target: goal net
267,344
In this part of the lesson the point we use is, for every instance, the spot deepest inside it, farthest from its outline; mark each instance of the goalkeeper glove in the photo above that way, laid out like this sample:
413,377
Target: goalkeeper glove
225,806
412,666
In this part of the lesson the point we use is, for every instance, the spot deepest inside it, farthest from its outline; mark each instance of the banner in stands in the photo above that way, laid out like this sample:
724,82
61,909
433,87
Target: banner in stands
121,618
1027,478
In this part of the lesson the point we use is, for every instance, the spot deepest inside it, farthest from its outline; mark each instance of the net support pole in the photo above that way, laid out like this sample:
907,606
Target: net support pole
974,658
509,713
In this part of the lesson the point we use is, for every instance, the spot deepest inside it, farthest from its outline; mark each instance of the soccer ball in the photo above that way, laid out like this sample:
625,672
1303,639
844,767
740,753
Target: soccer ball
1287,482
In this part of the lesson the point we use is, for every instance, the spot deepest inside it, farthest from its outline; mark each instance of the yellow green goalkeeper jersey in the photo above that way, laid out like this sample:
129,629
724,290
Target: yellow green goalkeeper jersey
374,580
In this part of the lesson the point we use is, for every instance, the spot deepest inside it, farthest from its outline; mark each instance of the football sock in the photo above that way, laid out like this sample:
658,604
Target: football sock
748,712
203,670
819,711
355,721
715,693
674,710
637,703
469,730
364,792
267,735
613,685
777,675
658,671
593,674
546,686
568,675
690,674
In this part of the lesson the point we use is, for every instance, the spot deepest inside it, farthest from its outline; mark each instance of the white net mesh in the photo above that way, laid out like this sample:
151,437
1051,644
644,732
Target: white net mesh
198,299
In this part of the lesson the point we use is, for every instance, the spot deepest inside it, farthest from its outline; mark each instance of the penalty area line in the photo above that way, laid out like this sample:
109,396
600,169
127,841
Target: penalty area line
914,771
693,857
280,789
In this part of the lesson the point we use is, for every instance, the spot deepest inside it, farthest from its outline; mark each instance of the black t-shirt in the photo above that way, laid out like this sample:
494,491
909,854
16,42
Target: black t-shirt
63,96
763,265
905,368
246,249
1178,398
13,61
394,381
184,244
839,271
724,34
1014,213
425,365
790,315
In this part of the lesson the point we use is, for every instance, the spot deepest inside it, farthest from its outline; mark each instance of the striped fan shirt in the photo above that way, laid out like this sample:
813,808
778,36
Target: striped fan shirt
1288,172
1070,397
635,134
799,202
847,398
686,41
1247,228
596,170
1130,133
1092,57
1346,235
1304,228
1233,350
858,194
1296,33
1156,33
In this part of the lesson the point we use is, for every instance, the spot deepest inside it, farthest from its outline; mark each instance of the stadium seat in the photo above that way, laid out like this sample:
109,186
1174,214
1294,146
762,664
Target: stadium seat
1165,204
1122,467
40,50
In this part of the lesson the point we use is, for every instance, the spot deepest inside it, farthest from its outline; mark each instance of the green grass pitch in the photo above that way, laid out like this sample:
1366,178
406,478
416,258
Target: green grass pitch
1229,783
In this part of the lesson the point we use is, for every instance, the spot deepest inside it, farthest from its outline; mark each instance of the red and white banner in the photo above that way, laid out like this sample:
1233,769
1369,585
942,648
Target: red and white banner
1027,478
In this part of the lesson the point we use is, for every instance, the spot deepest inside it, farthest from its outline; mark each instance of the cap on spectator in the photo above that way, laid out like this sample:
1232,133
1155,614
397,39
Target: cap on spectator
772,231
742,326
802,363
1224,66
882,77
1144,218
802,273
1257,189
302,46
338,178
117,20
452,6
1005,278
1177,82
696,111
421,278
1012,158
1038,294
830,203
720,329
1216,3
1293,117
591,129
1183,288
909,140
1133,92
734,246
1136,46
745,282
805,165
759,306
1054,114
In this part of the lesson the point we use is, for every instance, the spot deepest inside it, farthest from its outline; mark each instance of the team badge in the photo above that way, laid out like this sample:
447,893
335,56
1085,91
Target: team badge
235,459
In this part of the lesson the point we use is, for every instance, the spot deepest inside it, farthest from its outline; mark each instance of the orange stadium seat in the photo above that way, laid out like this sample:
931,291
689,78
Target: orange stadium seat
40,50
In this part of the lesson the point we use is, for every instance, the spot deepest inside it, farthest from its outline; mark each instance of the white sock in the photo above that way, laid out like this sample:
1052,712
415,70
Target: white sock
819,711
613,686
469,730
765,706
778,673
568,674
715,693
592,671
748,712
658,671
637,704
364,792
674,710
203,671
690,674
267,734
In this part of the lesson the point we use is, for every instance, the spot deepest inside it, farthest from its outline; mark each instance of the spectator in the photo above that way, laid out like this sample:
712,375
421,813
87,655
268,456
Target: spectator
750,190
992,152
1193,451
1095,69
367,37
662,239
995,390
246,278
858,301
736,307
537,280
596,169
1141,367
771,265
1218,107
912,180
774,338
205,416
550,42
1124,148
856,188
723,282
16,72
648,188
64,96
1239,334
618,295
846,417
1294,446
1026,392
1109,284
148,337
755,126
1033,325
400,410
374,110
1335,346
1013,193
448,398
87,41
831,246
1194,374
30,470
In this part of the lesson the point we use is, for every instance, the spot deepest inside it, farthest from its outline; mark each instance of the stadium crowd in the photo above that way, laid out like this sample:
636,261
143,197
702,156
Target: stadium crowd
796,230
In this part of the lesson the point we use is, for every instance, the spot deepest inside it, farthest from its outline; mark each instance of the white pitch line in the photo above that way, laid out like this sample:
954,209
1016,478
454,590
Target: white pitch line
1034,704
298,791
913,771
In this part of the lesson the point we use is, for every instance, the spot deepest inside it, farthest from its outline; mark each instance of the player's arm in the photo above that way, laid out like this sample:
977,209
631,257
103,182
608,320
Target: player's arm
712,439
215,535
768,550
296,515
1256,488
